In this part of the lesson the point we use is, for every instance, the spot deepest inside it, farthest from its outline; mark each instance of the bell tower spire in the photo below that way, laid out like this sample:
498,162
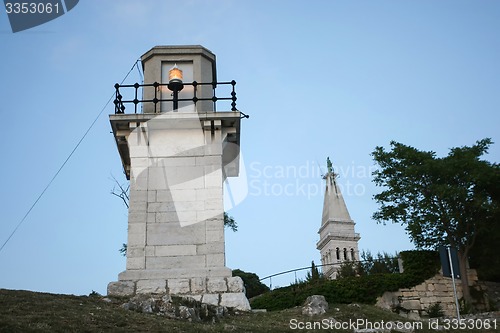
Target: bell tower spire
338,240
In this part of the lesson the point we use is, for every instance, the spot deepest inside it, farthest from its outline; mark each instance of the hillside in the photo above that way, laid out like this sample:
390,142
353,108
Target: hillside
24,311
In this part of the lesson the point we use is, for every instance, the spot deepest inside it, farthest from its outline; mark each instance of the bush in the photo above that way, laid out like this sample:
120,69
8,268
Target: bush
252,283
435,310
347,269
418,266
382,263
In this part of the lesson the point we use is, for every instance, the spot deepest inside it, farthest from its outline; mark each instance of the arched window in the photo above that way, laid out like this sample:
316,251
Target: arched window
345,253
338,254
353,255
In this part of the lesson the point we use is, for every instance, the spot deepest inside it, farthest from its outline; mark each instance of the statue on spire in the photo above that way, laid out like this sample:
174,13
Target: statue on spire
329,165
330,174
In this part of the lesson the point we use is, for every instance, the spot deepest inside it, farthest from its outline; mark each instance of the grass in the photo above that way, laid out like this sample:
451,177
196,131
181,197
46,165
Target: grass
25,311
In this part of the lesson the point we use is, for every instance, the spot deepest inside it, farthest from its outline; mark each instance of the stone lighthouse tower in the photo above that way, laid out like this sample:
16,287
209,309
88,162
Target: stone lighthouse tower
177,150
338,242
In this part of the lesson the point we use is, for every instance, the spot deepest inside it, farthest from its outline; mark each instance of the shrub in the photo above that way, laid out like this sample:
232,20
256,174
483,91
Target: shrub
382,263
435,310
418,266
347,269
252,283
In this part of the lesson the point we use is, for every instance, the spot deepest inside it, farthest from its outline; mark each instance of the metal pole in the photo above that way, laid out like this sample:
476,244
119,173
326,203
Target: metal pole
454,287
176,100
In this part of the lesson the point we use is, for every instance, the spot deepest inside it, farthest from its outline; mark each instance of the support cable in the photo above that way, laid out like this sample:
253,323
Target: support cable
65,162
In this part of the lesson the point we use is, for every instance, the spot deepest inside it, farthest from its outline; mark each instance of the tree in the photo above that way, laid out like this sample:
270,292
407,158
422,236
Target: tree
347,269
253,286
314,275
121,191
484,255
440,201
382,263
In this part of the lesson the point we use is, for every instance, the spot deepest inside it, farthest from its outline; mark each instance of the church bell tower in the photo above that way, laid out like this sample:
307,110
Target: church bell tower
338,241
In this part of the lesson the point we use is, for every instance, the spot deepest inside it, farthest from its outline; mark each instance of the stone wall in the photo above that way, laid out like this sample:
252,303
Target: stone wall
413,302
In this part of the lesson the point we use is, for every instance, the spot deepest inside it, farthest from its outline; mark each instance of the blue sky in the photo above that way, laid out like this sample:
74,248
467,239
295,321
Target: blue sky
318,78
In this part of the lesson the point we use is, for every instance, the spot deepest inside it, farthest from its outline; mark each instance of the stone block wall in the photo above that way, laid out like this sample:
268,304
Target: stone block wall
176,196
413,302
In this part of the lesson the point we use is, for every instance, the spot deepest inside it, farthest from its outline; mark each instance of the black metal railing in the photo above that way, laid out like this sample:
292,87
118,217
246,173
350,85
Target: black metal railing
120,101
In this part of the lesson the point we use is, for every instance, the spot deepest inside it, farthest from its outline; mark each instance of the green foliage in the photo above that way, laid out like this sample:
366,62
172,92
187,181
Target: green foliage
314,276
230,223
484,254
351,289
252,283
347,269
435,310
382,263
420,263
440,201
347,290
446,201
123,250
465,307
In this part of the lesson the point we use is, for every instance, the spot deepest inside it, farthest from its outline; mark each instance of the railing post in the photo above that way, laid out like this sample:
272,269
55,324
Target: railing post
233,97
136,101
175,101
195,97
155,100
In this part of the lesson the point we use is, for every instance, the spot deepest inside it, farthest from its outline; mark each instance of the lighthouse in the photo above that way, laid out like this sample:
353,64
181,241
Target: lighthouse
178,140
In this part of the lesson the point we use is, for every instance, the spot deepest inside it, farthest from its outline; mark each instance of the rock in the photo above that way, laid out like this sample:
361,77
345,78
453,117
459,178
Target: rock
188,313
142,303
121,288
237,301
315,305
175,307
388,301
235,285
